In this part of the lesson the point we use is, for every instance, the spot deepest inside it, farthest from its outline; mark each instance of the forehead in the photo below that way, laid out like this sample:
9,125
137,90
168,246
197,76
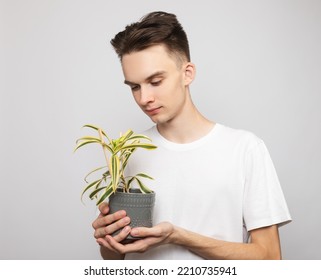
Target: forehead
141,64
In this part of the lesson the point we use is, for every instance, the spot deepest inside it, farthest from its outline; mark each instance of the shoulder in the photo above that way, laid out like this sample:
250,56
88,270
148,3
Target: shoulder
240,137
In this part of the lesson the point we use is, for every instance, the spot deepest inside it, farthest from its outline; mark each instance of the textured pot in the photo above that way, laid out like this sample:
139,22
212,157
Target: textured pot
138,206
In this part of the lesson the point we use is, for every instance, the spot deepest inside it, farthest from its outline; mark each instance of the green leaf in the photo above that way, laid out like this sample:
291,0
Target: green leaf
105,195
129,182
114,171
125,157
143,187
127,135
94,193
121,141
147,146
144,175
85,143
108,147
120,150
87,137
99,130
95,128
139,136
91,185
95,170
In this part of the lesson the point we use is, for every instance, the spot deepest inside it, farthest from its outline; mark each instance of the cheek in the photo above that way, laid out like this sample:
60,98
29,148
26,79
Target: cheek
177,90
173,88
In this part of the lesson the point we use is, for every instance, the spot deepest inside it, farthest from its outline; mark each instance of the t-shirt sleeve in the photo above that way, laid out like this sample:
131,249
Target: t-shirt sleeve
264,202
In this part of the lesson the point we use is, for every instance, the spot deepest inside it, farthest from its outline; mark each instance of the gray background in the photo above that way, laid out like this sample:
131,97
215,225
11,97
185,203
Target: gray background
259,68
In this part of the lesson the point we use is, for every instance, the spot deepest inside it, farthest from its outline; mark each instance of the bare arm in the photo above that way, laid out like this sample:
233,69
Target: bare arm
264,244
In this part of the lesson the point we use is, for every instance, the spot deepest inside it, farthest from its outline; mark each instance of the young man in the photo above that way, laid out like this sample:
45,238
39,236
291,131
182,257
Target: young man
218,195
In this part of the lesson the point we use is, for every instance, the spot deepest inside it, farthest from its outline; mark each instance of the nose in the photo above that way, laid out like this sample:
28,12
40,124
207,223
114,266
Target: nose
146,95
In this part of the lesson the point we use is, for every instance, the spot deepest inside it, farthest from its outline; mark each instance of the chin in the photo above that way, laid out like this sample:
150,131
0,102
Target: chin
156,120
160,118
161,121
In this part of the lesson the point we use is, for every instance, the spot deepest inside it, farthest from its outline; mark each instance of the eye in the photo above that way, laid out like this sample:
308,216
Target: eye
156,83
135,88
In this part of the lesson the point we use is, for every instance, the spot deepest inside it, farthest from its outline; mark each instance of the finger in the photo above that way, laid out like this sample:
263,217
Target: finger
118,238
108,219
136,246
111,228
121,236
114,245
145,232
103,208
162,230
102,242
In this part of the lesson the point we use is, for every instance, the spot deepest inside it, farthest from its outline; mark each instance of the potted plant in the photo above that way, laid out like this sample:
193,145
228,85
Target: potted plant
113,184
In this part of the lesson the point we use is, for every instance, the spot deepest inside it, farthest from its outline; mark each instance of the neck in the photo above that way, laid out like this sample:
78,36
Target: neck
190,126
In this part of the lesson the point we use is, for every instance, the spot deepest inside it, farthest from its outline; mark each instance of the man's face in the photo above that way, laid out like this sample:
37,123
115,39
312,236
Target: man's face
157,82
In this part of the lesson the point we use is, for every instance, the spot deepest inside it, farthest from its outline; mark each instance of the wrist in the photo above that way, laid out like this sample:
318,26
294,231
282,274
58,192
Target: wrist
176,236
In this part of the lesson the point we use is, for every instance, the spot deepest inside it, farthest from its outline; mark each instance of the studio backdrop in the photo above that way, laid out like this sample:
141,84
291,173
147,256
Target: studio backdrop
258,68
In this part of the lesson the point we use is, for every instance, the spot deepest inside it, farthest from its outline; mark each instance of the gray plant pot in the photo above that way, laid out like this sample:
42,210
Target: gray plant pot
138,206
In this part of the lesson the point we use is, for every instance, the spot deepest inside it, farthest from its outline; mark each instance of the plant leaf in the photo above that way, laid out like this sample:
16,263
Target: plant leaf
130,181
91,185
106,194
85,143
87,137
94,193
108,147
127,135
95,128
144,175
147,146
143,187
139,136
95,170
114,171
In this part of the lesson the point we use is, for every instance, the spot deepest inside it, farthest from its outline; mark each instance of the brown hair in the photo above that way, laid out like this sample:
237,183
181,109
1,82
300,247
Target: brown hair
153,29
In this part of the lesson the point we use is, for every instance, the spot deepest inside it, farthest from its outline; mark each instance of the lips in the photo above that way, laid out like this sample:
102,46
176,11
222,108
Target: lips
152,111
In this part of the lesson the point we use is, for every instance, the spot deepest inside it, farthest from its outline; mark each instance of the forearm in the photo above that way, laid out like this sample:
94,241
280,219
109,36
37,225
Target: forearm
210,248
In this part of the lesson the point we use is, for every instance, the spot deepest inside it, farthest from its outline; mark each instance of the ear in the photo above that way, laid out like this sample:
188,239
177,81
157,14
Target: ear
189,73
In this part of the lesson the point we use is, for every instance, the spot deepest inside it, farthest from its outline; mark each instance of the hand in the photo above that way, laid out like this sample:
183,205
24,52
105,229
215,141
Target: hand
107,224
151,237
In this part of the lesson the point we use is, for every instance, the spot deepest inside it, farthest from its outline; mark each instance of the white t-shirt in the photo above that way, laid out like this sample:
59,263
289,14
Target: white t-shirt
222,186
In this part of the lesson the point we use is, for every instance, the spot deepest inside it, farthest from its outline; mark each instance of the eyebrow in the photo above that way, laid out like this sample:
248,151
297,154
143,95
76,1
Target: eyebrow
149,78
